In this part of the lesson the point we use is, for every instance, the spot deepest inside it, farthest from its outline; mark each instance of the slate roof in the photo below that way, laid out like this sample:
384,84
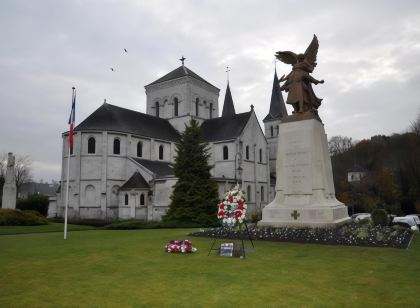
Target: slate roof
135,181
113,118
228,107
180,72
160,168
277,107
224,128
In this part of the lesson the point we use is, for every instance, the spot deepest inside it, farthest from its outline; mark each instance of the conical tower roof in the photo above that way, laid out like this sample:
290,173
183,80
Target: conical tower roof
277,106
228,107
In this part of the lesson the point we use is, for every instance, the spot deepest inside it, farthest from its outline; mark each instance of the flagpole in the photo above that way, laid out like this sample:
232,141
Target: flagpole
68,175
67,194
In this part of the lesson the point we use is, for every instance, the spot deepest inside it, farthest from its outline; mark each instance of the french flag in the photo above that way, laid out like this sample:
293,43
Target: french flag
72,118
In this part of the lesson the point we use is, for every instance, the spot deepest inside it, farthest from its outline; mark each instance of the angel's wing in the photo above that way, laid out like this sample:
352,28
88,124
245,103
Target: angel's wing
287,57
312,51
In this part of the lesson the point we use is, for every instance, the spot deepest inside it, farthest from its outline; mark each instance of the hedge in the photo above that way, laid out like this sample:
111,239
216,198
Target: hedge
11,217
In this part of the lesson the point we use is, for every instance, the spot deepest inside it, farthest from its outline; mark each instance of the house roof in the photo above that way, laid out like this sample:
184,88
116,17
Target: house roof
228,107
135,181
113,118
33,188
180,72
224,128
277,107
159,168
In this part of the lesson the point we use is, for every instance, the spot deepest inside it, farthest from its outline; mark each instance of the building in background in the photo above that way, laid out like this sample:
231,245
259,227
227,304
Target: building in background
122,161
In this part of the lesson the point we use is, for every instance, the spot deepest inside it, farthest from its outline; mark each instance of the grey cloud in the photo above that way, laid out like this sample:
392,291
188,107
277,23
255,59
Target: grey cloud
50,46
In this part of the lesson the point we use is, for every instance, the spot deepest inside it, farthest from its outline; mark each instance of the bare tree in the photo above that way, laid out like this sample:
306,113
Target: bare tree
415,126
22,170
338,145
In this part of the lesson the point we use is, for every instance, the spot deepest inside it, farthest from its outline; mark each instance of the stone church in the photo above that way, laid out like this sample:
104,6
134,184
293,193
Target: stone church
121,166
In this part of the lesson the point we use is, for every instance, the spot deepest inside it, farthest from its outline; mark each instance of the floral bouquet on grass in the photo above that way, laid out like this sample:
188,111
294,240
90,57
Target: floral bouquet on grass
232,209
179,246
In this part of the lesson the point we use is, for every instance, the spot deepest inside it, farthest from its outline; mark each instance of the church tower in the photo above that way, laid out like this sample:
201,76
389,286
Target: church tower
180,96
273,119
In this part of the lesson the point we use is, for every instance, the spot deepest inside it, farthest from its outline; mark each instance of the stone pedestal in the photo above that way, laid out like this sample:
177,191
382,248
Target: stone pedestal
305,193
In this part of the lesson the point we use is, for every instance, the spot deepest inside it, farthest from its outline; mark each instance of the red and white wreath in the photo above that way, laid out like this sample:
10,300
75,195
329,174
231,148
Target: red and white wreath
232,209
180,246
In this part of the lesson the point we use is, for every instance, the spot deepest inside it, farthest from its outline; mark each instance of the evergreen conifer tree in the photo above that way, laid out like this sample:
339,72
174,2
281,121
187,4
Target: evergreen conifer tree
195,195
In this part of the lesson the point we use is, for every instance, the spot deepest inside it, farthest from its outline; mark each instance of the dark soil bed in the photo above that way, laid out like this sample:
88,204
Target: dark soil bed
352,234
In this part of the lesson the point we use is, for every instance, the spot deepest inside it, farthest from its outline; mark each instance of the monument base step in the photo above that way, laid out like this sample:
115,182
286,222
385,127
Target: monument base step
317,217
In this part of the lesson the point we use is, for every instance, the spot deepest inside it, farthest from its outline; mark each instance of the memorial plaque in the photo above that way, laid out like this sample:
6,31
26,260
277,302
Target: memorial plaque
297,165
226,249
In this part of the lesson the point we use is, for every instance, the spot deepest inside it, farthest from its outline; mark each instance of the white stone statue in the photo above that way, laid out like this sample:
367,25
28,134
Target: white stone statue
9,188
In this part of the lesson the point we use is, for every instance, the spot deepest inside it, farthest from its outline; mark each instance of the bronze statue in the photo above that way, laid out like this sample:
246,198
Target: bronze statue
298,83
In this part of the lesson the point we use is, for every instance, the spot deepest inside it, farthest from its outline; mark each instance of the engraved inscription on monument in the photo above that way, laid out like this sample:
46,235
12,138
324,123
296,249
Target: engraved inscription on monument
297,164
298,171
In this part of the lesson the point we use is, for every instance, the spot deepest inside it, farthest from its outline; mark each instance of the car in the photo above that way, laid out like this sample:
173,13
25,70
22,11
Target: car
360,216
416,219
405,221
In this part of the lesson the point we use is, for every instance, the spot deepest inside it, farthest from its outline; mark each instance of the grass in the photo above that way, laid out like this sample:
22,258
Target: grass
51,227
103,268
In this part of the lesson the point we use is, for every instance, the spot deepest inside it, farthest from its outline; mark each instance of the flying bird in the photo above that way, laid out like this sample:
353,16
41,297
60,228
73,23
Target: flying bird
125,50
112,69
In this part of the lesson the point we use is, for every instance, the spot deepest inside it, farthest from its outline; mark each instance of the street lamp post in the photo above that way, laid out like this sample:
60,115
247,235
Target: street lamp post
240,175
239,168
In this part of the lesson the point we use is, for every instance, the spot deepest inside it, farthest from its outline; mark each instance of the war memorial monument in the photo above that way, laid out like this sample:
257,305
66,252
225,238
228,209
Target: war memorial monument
305,194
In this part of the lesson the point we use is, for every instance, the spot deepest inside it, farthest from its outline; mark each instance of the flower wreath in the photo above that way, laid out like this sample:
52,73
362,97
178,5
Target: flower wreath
179,246
232,209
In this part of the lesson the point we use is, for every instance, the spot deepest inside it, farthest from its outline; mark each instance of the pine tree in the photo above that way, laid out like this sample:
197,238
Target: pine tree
195,195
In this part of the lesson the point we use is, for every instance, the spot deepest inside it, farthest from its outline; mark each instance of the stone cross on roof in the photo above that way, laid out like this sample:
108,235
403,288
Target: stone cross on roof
182,60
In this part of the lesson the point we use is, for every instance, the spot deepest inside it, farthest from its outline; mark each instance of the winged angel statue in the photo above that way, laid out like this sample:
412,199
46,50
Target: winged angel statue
298,83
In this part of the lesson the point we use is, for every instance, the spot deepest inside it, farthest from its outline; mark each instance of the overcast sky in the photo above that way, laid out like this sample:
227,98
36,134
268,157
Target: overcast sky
369,57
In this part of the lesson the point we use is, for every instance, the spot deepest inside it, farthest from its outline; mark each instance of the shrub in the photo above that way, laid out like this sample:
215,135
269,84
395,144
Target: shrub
362,234
379,217
255,217
82,222
11,217
141,224
37,203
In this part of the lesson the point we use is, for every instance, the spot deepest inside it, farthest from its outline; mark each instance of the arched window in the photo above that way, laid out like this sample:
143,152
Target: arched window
272,131
262,193
126,199
161,152
260,155
211,110
142,199
91,145
225,153
157,109
176,103
90,196
248,193
247,152
116,146
139,149
196,106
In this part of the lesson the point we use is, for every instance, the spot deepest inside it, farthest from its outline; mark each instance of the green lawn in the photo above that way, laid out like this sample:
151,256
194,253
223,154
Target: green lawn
104,268
51,227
